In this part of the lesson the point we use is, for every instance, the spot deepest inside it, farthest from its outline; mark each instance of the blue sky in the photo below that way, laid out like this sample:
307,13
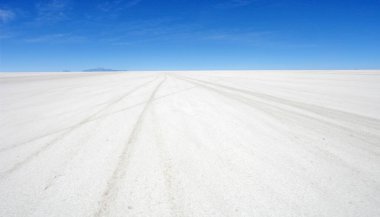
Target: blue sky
56,35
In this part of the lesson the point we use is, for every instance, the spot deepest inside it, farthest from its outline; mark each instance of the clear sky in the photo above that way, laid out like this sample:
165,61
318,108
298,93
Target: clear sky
56,35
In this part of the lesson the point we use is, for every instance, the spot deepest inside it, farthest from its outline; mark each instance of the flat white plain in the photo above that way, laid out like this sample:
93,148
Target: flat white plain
206,143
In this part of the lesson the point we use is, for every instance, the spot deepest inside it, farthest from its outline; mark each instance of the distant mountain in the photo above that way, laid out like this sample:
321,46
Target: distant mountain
100,69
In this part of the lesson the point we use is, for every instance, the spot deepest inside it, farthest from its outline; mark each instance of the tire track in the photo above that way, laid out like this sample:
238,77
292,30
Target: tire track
52,94
86,120
99,117
113,184
171,183
144,102
327,115
52,181
267,108
58,90
45,147
10,147
298,117
323,111
51,76
275,111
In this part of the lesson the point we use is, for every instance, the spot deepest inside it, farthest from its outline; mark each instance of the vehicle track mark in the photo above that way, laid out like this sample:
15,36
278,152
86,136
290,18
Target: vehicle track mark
86,120
266,108
144,102
329,115
113,183
171,183
322,111
98,118
45,147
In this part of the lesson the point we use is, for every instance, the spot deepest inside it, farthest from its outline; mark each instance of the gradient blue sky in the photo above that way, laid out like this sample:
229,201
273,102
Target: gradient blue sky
56,35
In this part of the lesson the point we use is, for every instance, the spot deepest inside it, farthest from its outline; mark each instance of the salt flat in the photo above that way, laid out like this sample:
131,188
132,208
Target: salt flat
216,143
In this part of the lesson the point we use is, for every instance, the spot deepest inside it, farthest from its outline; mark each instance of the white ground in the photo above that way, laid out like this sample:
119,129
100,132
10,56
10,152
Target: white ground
248,143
